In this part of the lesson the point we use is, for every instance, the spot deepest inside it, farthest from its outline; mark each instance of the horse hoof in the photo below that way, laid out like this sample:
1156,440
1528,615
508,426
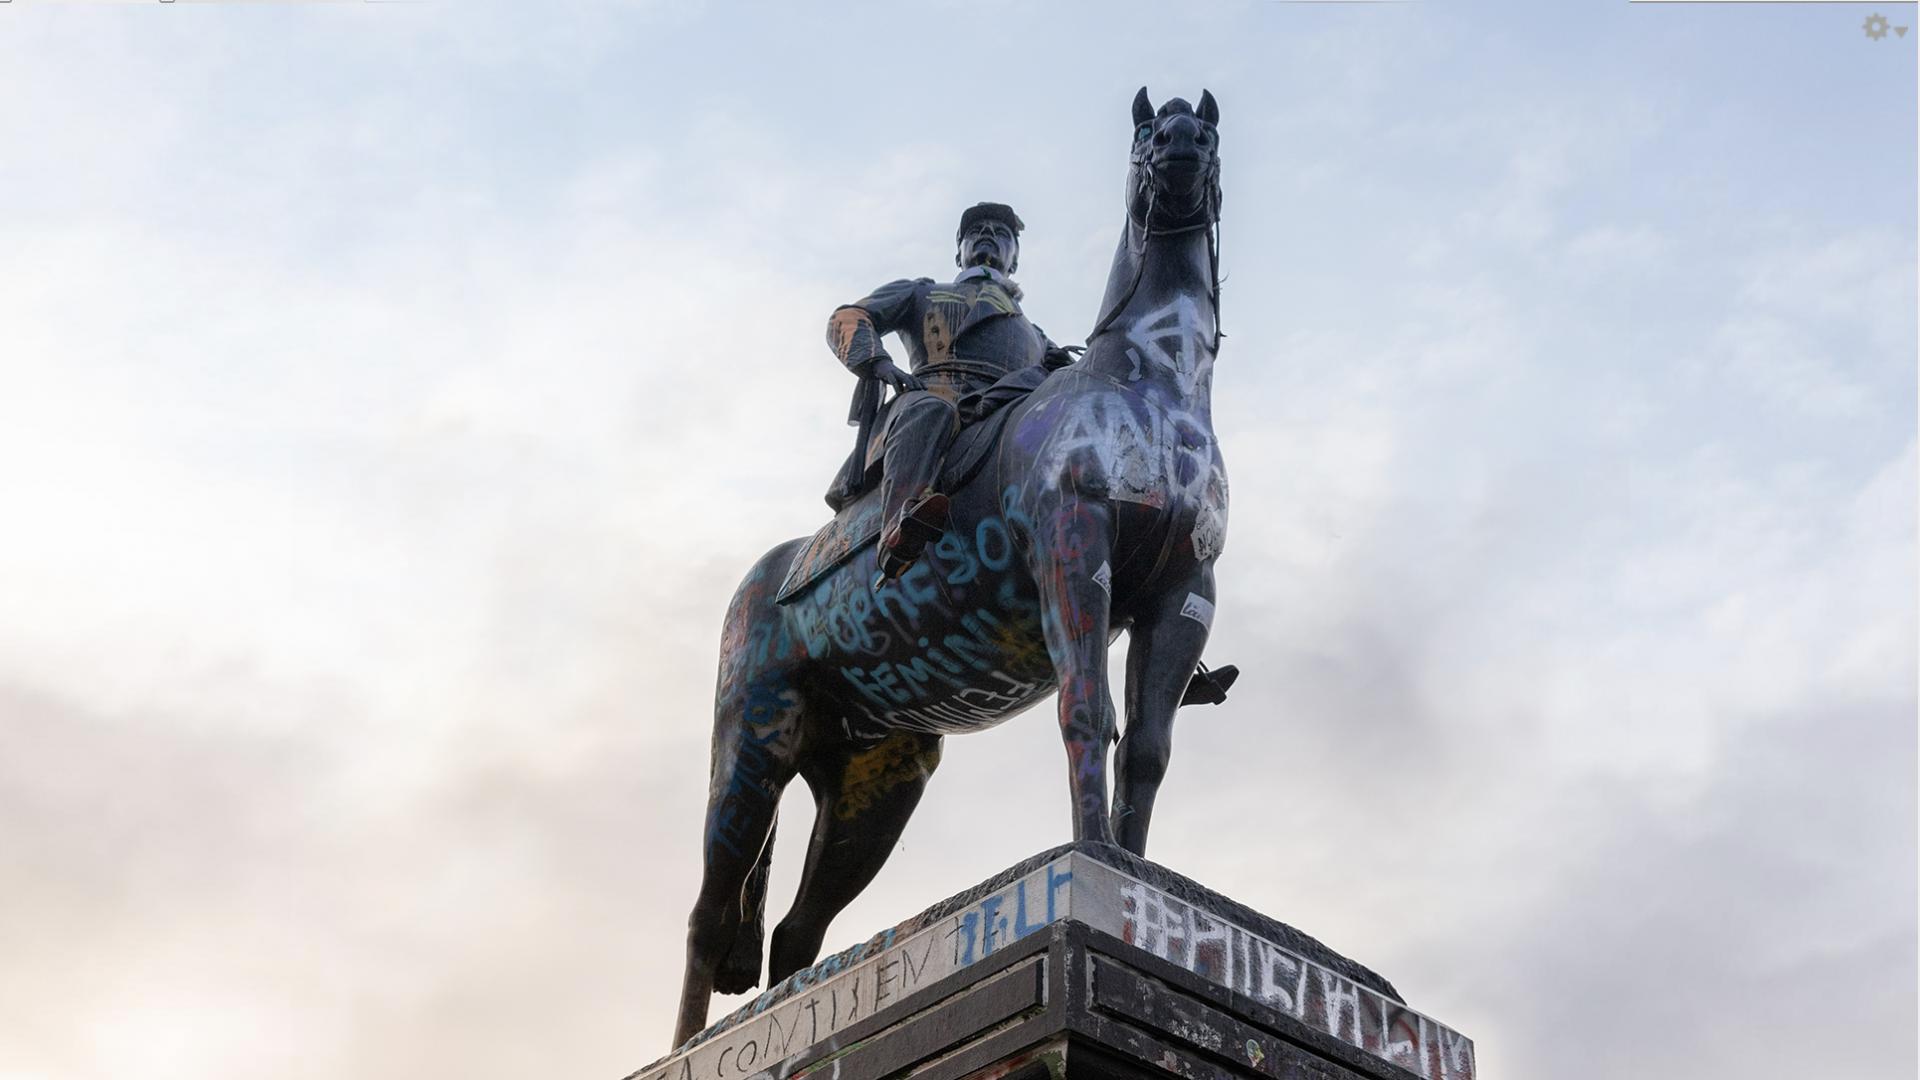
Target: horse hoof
735,978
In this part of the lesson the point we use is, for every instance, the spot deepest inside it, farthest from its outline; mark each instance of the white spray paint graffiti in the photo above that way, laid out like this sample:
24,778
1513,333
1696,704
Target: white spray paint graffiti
1170,337
813,1005
1143,454
1210,525
1144,448
1224,953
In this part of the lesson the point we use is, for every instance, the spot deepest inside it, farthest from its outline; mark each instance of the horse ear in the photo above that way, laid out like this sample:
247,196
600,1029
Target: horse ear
1209,108
1142,108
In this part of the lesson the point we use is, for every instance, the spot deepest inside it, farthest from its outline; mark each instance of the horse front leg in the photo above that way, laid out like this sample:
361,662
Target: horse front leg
1163,649
1071,546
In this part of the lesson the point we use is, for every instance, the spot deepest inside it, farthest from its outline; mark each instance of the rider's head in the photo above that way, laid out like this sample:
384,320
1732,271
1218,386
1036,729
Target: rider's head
989,236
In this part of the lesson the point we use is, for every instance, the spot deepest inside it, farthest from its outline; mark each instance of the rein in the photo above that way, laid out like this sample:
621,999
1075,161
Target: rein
1210,222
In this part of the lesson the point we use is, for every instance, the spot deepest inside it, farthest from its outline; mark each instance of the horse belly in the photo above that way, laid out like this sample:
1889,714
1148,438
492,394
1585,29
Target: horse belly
955,645
905,697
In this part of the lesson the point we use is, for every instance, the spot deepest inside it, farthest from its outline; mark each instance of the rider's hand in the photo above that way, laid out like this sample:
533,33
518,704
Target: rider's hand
884,370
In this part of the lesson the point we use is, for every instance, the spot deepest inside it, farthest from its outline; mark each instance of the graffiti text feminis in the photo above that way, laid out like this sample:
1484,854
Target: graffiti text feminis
951,645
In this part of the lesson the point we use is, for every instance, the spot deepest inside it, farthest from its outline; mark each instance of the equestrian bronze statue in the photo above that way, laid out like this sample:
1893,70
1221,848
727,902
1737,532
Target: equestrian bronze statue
1077,500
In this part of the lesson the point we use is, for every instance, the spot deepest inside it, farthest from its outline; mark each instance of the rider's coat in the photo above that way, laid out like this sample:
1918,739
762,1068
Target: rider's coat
960,336
963,338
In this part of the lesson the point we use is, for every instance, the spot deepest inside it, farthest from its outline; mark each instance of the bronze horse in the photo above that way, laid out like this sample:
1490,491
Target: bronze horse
1101,508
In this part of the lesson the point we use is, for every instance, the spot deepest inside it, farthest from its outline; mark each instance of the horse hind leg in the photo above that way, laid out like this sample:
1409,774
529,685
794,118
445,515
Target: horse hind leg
756,734
739,970
863,798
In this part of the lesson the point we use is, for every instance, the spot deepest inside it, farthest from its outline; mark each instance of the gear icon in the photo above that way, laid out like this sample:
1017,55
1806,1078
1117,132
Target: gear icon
1875,26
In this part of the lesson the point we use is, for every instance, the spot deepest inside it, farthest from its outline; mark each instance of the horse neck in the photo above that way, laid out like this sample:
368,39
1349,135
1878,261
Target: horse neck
1161,341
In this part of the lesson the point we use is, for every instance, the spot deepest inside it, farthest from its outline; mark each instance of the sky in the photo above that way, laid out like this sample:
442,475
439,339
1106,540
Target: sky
392,395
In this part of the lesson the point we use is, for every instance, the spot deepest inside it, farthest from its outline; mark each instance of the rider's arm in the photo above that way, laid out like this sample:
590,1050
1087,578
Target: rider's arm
854,331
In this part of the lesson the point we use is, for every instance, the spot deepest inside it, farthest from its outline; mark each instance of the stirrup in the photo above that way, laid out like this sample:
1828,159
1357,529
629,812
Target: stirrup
891,567
1209,687
921,524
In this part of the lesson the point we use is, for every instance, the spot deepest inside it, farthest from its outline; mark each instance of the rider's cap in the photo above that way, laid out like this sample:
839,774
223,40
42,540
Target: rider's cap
989,211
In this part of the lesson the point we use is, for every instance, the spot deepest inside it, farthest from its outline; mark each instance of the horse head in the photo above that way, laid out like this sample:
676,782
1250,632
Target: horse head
1173,179
1173,196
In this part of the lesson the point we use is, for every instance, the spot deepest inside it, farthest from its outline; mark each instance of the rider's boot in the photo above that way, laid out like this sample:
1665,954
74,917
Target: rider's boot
922,522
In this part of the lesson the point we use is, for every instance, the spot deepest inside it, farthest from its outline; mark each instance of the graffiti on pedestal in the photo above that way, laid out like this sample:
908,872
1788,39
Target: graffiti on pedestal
1244,962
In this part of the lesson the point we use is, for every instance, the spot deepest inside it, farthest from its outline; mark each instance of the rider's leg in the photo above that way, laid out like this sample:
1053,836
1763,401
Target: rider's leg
920,429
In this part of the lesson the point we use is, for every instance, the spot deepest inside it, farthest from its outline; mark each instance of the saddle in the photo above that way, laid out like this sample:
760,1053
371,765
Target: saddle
857,523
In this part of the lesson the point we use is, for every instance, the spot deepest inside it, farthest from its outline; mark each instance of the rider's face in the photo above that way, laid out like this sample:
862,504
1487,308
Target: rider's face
990,243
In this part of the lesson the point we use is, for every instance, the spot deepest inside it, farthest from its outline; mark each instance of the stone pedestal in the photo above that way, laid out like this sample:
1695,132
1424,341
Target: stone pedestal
1080,962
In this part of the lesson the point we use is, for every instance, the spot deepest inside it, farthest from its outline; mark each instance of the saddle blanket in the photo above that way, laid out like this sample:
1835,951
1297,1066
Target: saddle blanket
858,523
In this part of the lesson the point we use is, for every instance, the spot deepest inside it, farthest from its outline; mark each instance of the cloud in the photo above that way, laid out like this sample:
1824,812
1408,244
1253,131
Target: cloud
382,437
1812,321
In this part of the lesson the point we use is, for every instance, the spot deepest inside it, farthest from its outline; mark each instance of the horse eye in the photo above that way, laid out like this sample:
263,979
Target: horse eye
1145,130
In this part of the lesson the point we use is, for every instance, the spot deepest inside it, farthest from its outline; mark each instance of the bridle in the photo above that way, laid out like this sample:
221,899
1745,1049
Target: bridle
1209,220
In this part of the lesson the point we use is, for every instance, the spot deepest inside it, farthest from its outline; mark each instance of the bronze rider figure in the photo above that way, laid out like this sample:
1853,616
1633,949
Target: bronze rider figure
962,337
